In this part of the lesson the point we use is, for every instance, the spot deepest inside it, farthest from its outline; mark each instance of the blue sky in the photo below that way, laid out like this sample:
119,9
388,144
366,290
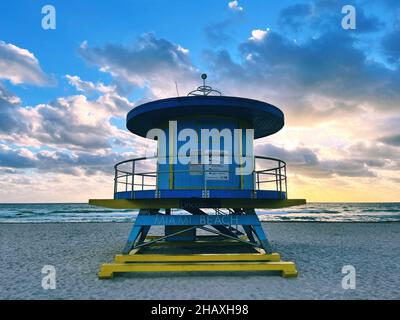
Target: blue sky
64,93
182,22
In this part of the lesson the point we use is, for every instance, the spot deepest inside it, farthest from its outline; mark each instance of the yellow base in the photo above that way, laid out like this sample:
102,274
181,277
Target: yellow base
197,263
169,259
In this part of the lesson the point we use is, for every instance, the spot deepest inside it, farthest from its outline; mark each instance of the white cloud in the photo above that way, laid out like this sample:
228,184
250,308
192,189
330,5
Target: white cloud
74,122
89,87
150,63
234,5
7,96
258,34
182,49
21,66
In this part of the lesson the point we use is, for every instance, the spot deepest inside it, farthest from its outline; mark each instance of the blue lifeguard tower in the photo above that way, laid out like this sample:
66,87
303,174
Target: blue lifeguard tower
202,195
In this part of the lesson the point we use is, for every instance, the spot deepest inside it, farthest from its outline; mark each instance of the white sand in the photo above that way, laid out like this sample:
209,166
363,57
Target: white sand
319,249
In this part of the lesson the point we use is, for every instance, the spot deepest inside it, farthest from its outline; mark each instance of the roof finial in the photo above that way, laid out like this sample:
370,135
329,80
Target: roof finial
204,77
204,90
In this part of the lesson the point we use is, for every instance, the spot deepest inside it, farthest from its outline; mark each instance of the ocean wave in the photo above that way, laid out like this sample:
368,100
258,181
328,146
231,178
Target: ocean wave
381,210
305,211
89,211
312,212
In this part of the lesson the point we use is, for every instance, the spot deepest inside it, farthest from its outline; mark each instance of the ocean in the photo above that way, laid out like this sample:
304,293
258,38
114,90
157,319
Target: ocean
311,212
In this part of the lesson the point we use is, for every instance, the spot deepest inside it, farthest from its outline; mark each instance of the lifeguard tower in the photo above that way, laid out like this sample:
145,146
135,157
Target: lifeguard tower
200,195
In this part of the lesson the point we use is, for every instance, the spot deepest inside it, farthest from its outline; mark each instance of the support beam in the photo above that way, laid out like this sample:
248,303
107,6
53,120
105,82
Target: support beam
192,220
225,235
220,228
159,239
259,232
138,232
247,229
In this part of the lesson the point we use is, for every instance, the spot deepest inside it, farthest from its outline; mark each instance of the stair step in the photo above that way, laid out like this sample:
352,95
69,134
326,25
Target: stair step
288,269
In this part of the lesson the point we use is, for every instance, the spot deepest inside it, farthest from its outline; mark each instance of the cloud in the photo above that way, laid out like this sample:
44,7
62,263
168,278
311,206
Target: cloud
391,45
324,15
219,34
216,33
393,140
392,4
331,66
9,121
89,87
368,23
234,5
258,34
374,150
305,161
72,163
21,66
72,135
294,16
21,158
73,122
108,95
149,63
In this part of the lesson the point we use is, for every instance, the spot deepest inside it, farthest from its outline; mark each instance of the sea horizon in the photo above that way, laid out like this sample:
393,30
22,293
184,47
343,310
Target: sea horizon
311,212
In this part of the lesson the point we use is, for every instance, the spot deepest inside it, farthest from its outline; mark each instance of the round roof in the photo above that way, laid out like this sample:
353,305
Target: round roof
265,118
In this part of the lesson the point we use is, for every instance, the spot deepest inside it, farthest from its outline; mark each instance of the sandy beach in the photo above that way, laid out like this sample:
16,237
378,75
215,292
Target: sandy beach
320,250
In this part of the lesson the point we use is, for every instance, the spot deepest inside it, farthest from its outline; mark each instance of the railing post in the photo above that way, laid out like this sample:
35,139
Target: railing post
133,178
253,175
157,173
115,181
285,183
280,179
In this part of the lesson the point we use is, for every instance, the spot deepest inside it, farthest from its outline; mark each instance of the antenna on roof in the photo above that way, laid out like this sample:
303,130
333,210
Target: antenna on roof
204,90
176,86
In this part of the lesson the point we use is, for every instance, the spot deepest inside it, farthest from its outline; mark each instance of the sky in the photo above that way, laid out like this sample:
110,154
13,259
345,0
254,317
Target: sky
65,92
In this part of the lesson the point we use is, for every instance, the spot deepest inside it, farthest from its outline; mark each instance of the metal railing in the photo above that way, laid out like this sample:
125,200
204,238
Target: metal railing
142,174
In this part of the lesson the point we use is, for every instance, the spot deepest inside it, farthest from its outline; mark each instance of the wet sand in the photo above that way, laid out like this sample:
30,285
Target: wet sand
320,250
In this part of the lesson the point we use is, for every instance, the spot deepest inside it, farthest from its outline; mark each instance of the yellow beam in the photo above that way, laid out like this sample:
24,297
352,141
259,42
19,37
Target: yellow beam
197,257
176,203
288,269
